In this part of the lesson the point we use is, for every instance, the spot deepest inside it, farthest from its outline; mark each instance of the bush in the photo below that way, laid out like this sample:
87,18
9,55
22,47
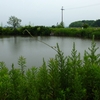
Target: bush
0,30
47,31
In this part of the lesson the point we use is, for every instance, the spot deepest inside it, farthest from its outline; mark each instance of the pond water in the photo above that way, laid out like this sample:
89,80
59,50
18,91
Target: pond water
11,48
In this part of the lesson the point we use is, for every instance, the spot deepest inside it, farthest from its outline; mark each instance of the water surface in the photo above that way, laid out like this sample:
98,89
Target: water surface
11,48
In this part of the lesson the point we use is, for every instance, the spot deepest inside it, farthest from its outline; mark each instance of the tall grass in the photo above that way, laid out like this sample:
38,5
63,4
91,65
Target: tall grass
77,32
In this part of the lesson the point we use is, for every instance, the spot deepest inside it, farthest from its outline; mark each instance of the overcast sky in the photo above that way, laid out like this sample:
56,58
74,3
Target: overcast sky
48,12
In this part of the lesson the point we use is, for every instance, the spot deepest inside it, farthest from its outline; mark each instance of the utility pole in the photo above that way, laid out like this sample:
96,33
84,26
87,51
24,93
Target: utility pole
62,14
62,23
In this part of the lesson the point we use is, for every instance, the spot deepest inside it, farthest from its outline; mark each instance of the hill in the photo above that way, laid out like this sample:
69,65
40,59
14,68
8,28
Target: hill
91,23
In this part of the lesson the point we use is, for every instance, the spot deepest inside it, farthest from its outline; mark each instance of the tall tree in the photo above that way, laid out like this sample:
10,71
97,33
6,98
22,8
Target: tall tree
96,23
14,21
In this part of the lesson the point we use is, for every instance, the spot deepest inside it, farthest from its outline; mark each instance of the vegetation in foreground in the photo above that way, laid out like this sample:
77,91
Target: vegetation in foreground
61,78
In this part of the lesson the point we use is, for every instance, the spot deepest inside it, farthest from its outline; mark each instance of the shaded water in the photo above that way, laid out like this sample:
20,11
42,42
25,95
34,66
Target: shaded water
11,48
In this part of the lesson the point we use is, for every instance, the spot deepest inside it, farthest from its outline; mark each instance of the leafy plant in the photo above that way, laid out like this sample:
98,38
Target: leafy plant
22,63
43,82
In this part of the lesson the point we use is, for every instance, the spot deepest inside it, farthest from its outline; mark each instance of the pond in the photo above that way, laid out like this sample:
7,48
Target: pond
11,48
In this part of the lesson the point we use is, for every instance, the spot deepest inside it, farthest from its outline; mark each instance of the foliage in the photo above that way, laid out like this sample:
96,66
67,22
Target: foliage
96,23
86,32
0,30
21,63
32,85
77,32
91,23
85,25
34,30
61,25
43,82
14,21
76,24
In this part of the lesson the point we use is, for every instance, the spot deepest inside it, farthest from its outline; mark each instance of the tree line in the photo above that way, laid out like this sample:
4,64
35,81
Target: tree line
15,22
15,28
76,29
49,31
34,30
86,23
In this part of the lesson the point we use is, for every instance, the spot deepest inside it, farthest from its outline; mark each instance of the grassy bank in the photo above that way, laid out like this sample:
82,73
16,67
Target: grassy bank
47,31
35,31
77,32
61,78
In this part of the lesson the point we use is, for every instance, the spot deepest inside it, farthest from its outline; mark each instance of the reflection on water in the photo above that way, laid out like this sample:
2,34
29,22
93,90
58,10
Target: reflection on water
34,51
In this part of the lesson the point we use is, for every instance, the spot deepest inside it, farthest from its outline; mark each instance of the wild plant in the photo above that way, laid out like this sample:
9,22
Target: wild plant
74,90
22,63
54,79
15,80
43,82
91,72
32,85
4,82
23,83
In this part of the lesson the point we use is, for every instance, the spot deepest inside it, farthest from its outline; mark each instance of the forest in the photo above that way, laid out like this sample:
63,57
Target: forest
87,23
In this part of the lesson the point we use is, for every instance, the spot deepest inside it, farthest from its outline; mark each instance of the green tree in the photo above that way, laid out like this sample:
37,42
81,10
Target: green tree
61,25
81,23
76,24
0,30
14,21
96,23
85,25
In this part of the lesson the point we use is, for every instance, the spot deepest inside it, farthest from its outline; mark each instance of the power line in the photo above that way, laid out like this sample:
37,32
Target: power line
83,6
